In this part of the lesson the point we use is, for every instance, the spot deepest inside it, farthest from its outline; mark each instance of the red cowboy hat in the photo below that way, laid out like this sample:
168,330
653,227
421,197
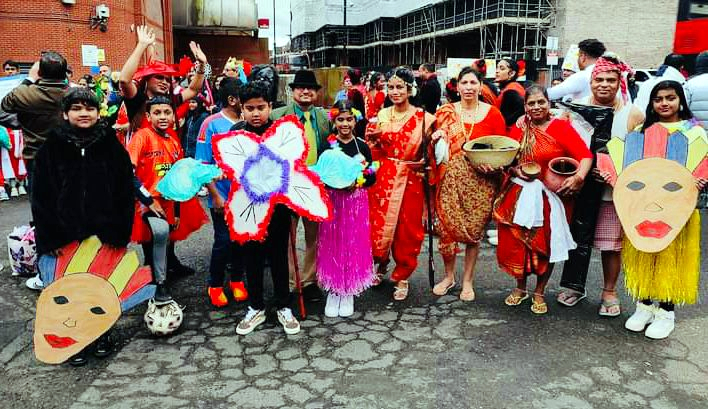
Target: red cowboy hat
154,68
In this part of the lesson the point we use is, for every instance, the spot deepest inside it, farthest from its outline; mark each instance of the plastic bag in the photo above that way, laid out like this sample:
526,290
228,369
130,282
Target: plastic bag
599,119
336,169
183,181
22,251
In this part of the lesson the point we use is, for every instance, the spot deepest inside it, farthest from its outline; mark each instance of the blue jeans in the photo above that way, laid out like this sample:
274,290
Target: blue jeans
224,252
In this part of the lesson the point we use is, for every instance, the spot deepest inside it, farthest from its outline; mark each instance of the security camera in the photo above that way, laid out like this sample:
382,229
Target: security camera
102,11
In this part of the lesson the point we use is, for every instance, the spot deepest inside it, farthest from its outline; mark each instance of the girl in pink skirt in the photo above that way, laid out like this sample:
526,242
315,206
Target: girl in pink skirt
344,261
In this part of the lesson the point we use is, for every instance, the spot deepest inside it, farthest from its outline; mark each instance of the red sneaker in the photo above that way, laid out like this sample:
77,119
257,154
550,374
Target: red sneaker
217,297
239,290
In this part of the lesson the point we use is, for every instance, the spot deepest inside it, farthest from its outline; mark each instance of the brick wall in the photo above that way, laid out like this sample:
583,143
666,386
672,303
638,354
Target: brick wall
641,31
29,27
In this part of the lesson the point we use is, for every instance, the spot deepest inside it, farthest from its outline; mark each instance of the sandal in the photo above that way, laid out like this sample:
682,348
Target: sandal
442,288
570,298
379,275
538,307
467,294
610,308
400,293
515,299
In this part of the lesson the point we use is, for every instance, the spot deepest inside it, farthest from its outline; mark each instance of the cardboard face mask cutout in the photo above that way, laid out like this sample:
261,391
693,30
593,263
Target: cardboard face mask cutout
89,285
654,199
655,192
69,318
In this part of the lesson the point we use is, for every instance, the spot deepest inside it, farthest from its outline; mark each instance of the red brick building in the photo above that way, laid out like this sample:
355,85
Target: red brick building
31,26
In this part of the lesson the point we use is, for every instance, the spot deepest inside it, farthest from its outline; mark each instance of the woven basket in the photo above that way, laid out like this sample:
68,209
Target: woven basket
502,152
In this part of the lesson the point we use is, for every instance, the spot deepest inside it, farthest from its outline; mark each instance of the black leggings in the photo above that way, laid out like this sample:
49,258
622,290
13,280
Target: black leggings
666,306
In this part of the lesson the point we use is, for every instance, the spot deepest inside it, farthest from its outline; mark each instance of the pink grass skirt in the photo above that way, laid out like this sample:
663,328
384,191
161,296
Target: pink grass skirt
344,261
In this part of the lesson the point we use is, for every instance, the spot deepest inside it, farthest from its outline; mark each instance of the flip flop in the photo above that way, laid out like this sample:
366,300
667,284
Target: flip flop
606,306
570,298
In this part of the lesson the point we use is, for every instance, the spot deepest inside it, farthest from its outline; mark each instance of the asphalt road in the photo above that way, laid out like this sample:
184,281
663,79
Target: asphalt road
426,352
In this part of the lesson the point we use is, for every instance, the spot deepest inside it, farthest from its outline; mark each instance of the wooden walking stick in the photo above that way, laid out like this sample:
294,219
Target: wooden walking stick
298,283
428,204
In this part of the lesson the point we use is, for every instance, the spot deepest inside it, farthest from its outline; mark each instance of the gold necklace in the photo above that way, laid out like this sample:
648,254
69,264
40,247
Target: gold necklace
400,118
468,134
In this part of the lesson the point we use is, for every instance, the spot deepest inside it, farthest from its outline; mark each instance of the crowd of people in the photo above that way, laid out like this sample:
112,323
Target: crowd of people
93,171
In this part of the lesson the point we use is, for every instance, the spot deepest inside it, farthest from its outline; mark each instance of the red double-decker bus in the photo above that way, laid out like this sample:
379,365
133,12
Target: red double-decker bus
691,27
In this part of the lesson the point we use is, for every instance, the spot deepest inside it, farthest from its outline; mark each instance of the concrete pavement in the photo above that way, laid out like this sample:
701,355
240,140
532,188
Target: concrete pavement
427,352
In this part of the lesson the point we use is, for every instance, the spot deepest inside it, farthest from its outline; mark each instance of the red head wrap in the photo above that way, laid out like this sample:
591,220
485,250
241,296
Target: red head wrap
614,64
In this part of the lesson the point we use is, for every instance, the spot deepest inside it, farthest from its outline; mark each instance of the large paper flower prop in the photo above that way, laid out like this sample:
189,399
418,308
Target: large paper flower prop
268,170
653,177
89,285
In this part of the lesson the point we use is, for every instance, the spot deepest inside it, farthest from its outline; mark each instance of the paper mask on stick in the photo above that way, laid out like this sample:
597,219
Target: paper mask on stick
654,188
88,287
268,170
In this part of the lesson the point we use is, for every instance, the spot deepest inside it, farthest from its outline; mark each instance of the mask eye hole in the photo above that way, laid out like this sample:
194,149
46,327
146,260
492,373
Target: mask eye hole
635,185
60,299
98,310
672,187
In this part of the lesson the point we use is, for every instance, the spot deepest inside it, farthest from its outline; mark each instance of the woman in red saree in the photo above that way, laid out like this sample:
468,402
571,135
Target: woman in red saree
396,200
465,193
529,248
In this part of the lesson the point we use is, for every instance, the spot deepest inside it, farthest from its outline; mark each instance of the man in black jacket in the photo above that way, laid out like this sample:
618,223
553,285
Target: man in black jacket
430,91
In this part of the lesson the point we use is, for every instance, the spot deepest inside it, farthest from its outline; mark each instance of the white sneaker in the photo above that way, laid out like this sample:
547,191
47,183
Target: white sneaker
332,305
662,326
289,322
346,306
3,195
14,192
21,190
35,283
493,240
643,316
492,233
252,319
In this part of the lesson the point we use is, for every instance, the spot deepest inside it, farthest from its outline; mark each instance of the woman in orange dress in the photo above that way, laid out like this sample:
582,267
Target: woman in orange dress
465,193
375,97
511,98
396,200
525,247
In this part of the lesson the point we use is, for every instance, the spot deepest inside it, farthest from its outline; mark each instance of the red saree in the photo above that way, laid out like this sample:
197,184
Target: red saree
523,251
396,200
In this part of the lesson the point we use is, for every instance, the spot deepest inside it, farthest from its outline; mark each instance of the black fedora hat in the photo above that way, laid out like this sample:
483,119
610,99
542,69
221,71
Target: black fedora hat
305,79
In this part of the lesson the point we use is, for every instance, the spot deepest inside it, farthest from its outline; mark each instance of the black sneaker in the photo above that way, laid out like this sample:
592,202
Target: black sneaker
104,346
78,359
312,293
162,294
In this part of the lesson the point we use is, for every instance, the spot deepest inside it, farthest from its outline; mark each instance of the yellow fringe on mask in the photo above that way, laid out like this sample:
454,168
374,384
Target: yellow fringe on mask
670,275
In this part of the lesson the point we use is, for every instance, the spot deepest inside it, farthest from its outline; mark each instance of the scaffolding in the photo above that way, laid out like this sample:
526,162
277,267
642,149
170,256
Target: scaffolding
452,28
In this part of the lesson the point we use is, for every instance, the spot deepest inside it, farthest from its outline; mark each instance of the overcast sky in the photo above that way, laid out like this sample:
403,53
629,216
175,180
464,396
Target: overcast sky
282,20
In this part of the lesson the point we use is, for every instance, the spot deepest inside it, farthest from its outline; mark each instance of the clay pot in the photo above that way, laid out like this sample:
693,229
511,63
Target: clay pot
559,169
531,170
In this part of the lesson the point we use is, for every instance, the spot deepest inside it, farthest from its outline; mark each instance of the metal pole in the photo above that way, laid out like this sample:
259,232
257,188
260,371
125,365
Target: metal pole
346,33
275,61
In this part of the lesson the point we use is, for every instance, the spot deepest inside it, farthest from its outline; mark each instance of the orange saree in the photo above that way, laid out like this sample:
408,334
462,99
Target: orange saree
464,198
